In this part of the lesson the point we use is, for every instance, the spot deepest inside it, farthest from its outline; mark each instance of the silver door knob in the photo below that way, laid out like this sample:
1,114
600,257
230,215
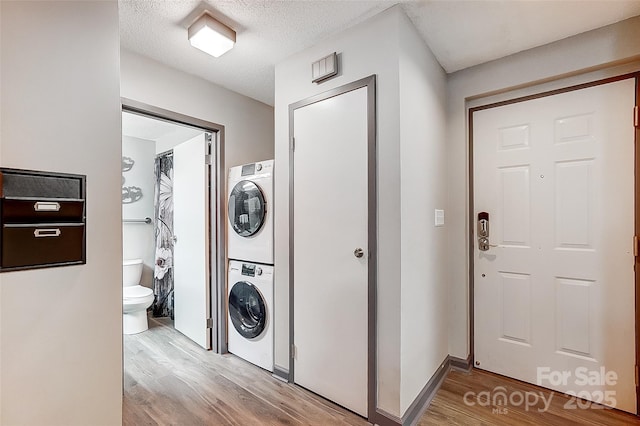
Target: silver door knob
358,253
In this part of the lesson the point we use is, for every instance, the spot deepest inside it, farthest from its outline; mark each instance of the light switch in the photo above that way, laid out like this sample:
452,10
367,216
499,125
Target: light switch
439,215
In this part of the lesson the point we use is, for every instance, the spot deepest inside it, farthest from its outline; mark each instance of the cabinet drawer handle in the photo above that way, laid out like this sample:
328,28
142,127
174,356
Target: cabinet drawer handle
44,206
41,233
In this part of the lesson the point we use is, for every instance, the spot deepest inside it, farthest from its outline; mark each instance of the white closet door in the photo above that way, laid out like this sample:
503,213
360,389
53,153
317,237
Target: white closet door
330,223
191,250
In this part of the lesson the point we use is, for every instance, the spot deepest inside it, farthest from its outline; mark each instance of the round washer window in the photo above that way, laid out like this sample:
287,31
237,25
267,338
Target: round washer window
247,309
246,208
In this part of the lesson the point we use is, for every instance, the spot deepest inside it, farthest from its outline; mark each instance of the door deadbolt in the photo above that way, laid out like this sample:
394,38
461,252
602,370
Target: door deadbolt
358,253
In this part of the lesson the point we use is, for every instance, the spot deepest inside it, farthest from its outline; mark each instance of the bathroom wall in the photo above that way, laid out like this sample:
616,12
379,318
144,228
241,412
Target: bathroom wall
61,328
137,238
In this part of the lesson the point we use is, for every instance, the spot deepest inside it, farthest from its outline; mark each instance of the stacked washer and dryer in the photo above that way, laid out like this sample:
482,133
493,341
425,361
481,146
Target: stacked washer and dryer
250,252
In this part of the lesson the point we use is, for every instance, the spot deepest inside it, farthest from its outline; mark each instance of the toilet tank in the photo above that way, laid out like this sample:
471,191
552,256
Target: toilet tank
131,272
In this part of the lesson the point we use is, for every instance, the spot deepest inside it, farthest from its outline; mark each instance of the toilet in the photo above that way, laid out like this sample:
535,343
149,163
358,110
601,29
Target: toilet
135,298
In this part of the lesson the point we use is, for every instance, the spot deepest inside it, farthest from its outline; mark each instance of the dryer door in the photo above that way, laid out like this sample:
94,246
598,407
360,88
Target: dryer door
247,309
247,208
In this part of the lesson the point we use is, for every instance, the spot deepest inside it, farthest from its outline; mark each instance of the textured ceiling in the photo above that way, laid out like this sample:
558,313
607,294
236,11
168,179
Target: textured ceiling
461,33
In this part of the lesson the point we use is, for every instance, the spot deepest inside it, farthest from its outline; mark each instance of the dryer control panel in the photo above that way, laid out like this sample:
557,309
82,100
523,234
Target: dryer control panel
249,169
252,169
248,270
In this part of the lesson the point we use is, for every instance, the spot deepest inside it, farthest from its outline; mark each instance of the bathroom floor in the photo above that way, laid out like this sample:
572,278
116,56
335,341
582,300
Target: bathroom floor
166,321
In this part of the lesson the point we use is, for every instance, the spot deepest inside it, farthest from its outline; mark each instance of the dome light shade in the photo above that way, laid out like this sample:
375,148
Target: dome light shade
211,36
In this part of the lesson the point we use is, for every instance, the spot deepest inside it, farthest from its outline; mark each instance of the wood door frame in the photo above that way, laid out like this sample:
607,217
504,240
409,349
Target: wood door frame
370,84
217,289
471,212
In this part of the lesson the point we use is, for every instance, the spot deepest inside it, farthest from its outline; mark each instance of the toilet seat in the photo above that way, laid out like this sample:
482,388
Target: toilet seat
135,292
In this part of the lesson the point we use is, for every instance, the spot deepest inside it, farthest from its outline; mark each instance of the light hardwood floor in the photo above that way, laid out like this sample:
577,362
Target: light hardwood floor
169,380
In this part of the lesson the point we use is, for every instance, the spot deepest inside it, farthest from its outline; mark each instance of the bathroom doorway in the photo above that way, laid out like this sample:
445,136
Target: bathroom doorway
172,189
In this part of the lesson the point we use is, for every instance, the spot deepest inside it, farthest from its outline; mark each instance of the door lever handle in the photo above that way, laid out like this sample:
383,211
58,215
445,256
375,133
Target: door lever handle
483,244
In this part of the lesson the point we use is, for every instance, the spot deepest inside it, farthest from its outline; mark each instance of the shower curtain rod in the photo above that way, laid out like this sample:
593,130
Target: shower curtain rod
146,220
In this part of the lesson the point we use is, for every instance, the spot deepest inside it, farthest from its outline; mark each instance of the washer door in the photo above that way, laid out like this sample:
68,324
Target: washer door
246,208
247,309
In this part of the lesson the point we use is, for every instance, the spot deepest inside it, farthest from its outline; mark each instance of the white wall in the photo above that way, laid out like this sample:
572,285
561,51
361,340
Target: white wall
61,336
424,342
410,84
608,46
248,123
138,238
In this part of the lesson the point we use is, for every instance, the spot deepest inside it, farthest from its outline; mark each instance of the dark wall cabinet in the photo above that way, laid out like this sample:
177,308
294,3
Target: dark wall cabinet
42,218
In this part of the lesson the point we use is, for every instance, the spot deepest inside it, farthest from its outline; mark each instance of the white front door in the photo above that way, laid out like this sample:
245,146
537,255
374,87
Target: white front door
329,225
554,298
191,250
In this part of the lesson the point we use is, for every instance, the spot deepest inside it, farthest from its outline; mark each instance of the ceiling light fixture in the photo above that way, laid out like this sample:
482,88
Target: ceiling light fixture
211,36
